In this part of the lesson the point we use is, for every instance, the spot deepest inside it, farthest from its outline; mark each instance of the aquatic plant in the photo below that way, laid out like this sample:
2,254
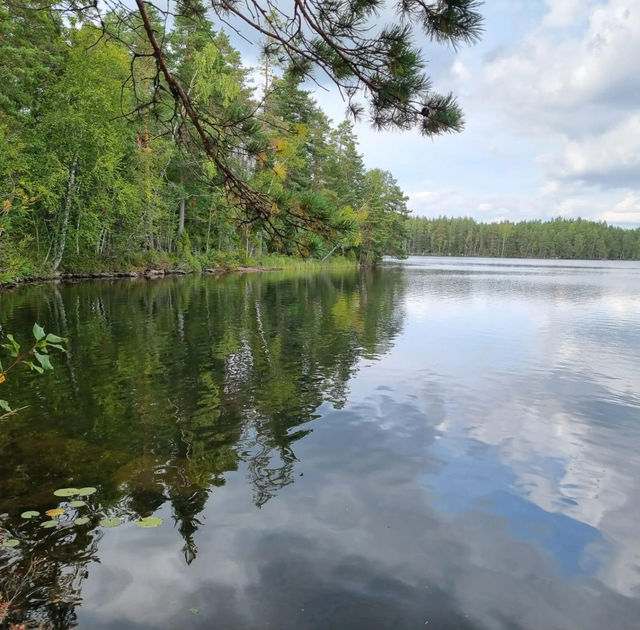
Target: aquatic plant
36,358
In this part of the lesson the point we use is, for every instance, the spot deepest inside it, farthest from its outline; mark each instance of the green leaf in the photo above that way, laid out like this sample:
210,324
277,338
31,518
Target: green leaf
85,492
57,346
30,514
111,522
34,367
83,520
38,332
55,339
13,347
44,360
150,521
12,542
77,504
49,524
66,492
5,405
14,344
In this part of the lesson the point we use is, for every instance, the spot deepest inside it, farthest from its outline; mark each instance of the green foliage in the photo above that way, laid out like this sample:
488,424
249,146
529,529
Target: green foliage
278,261
50,524
559,238
383,218
39,349
10,542
183,244
149,521
85,492
86,185
66,492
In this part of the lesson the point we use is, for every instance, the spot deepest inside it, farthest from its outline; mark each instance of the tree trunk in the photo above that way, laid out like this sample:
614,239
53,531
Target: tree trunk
67,211
208,230
182,205
329,254
78,234
181,216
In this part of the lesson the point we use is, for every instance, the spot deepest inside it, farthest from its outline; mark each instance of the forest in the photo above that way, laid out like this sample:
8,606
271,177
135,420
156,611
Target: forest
99,170
559,238
137,137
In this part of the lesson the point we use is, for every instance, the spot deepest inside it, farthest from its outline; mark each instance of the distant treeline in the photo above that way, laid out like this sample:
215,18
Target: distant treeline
559,238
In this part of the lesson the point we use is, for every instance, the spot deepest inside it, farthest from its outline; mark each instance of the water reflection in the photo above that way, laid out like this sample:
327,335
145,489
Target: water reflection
168,387
428,445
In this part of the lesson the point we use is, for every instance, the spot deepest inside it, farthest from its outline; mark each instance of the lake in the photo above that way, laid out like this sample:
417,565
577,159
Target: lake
441,442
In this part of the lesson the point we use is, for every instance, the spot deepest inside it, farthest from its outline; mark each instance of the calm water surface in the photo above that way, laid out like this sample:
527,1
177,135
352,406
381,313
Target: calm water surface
449,443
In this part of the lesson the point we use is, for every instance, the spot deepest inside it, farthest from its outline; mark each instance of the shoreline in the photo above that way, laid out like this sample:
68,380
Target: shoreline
147,274
151,273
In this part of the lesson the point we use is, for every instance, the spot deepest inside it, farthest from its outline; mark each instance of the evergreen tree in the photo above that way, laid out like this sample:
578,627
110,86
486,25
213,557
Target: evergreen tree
103,169
559,238
335,39
383,218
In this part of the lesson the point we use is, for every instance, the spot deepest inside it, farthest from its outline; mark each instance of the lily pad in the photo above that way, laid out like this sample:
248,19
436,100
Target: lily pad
111,522
150,521
30,514
83,520
77,504
66,492
85,492
12,542
49,524
55,512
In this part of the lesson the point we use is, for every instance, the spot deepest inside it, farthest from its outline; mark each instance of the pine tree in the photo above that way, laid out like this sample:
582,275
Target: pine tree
335,40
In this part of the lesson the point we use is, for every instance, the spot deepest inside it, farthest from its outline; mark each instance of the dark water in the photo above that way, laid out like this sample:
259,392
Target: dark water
445,443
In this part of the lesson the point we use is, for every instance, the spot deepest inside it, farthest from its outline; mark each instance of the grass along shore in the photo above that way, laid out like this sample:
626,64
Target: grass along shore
169,265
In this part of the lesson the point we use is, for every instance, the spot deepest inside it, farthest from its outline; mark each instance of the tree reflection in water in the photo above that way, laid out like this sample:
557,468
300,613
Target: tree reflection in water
169,386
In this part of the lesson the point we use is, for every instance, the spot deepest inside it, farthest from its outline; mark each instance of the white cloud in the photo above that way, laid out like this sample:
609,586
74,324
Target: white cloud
460,71
564,13
612,157
553,123
562,103
555,198
626,211
581,89
551,72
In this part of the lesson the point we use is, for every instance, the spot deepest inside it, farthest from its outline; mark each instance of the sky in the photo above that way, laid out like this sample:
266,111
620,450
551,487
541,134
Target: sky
551,98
